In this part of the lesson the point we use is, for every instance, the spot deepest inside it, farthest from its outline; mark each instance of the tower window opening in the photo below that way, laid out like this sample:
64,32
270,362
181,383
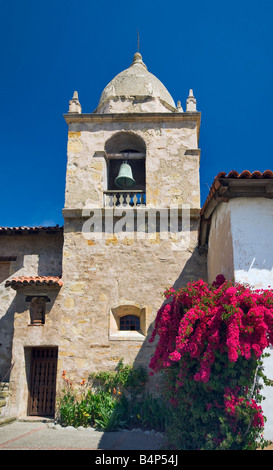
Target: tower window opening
137,172
125,182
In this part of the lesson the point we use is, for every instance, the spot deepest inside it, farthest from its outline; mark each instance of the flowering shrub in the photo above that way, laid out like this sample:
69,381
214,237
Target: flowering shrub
210,347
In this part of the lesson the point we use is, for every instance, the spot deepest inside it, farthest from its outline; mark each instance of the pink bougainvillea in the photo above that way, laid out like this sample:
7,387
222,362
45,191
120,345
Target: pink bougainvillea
234,404
198,320
202,324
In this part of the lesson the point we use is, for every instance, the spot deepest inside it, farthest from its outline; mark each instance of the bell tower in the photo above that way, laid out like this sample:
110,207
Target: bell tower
135,155
136,122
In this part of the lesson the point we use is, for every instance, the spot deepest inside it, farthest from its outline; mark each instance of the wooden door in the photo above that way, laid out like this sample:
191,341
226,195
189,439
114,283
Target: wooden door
43,382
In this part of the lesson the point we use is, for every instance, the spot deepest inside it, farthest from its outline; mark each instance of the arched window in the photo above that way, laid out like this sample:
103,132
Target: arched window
129,148
129,323
125,140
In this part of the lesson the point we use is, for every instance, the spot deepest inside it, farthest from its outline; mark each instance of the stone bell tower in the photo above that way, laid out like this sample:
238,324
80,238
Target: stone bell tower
137,154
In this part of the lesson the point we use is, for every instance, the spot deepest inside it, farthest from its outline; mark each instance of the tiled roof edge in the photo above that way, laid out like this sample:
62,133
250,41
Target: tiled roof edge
30,230
34,281
214,196
246,174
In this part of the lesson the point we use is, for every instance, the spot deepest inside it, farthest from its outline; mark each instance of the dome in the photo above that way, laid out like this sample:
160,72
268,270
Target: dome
135,90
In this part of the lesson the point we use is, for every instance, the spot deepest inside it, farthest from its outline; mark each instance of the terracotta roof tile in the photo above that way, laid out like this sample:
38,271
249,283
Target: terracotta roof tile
34,281
246,174
30,230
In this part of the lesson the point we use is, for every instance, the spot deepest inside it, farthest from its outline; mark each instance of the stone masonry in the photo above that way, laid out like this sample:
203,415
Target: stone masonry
106,262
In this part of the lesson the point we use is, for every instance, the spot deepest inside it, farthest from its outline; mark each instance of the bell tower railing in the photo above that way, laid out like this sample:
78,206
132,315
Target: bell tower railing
123,198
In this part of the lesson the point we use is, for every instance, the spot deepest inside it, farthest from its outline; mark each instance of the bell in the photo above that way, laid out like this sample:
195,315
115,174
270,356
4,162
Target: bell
125,177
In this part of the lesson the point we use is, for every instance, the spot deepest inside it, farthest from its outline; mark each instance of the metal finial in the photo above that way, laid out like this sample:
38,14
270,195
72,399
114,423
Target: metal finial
137,41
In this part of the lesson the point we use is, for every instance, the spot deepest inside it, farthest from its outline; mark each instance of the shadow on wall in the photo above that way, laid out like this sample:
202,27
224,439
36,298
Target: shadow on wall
19,304
260,262
8,269
6,338
32,254
194,269
44,264
28,255
8,308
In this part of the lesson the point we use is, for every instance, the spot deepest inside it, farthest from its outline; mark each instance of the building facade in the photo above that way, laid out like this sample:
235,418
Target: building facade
81,297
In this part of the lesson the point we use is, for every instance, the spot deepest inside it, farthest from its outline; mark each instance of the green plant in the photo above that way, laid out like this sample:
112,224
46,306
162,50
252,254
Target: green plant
110,418
151,412
125,377
67,407
115,399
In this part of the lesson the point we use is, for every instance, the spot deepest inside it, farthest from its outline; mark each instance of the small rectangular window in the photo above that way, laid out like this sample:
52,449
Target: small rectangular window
129,323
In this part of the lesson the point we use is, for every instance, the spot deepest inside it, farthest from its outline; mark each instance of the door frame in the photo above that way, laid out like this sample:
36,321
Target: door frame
43,359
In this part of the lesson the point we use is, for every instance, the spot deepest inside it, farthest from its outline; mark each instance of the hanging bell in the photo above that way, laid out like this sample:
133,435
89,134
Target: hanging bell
125,176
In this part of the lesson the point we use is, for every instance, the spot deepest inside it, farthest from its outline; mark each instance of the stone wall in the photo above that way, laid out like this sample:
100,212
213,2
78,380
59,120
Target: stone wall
110,273
172,158
27,336
114,273
35,255
101,275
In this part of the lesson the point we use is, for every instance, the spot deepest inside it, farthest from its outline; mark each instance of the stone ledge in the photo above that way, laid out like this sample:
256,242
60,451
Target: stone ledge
128,336
84,213
93,117
7,420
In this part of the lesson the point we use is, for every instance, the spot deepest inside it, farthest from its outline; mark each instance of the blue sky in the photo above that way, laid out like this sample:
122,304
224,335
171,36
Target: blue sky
223,50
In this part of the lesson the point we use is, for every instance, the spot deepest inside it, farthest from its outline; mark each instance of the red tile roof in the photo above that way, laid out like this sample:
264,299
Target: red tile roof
30,230
224,187
246,174
34,281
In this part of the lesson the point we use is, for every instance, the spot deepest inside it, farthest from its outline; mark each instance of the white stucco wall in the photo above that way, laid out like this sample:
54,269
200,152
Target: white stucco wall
241,240
252,233
252,228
